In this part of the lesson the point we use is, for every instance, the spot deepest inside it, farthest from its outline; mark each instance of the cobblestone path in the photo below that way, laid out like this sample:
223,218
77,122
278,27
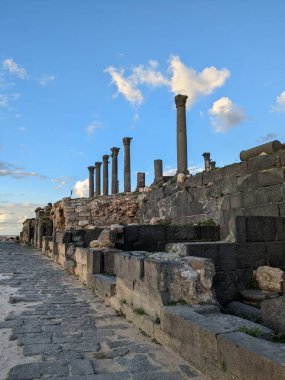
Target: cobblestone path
53,327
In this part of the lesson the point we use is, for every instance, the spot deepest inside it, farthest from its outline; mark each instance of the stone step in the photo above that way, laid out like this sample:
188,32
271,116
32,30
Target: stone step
254,297
243,310
104,285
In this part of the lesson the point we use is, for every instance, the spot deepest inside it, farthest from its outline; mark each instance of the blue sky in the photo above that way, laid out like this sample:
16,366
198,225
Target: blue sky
78,76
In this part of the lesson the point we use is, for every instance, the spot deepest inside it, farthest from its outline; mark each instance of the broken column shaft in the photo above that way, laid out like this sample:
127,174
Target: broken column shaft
105,174
212,165
91,181
180,101
140,180
158,174
127,164
114,155
98,177
207,160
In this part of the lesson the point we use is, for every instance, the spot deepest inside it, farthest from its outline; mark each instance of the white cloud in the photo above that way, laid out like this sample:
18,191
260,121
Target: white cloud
12,216
125,86
192,170
92,128
14,68
270,136
185,80
81,188
17,172
225,114
46,79
62,181
280,103
6,99
178,79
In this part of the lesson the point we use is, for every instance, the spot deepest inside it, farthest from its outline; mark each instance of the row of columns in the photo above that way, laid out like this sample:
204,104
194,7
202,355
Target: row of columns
114,183
182,162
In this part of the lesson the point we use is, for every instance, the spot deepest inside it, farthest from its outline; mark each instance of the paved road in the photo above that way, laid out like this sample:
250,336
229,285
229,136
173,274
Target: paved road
52,327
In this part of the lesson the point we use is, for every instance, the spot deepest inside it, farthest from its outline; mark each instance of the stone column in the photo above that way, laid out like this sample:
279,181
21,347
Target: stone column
114,155
182,166
140,180
207,160
158,175
105,174
127,164
98,177
91,181
212,165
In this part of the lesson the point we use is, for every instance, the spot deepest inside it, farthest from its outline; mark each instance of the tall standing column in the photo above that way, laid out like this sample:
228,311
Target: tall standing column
114,155
212,165
98,177
91,181
158,174
127,164
105,174
180,101
140,180
207,160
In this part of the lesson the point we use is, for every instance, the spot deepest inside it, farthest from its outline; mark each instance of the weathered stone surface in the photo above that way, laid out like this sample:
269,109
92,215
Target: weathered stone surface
270,279
273,313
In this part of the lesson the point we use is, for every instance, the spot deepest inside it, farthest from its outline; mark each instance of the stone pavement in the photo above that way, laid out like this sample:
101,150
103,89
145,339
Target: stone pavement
53,327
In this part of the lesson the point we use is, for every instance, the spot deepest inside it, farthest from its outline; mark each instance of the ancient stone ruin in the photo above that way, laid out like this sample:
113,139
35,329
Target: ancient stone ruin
201,257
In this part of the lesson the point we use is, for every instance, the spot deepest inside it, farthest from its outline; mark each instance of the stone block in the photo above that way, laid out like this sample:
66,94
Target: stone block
282,157
81,255
248,199
179,233
240,229
145,246
151,233
270,279
245,357
225,203
105,285
244,278
227,257
271,194
91,235
206,250
243,310
243,183
214,189
78,235
265,178
129,265
229,185
235,201
225,285
282,208
62,237
194,181
95,261
261,163
131,234
251,255
280,228
265,210
273,314
108,267
276,254
261,228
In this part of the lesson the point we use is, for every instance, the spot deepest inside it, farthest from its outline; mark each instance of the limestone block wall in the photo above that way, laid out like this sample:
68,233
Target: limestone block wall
99,211
251,188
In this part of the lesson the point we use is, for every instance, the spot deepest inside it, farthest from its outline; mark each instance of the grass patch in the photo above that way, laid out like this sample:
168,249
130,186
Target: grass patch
208,222
139,311
252,317
277,338
178,302
253,331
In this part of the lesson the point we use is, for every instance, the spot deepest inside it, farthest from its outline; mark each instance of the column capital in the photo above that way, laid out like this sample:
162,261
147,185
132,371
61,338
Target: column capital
127,140
180,100
91,168
206,155
105,157
115,151
98,164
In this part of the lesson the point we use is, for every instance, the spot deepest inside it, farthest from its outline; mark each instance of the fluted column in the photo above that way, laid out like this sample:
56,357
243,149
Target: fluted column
114,155
91,181
182,166
105,174
98,177
207,160
158,174
127,164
